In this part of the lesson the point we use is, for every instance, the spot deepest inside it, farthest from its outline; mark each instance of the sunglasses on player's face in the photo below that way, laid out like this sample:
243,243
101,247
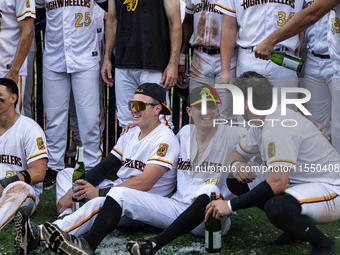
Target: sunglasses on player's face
139,106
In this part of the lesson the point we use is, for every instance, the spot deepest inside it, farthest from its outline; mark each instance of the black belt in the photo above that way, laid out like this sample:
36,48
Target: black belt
210,51
321,56
283,48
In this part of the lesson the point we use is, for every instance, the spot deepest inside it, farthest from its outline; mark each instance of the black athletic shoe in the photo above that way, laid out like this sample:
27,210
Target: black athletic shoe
28,234
144,247
50,179
323,251
63,243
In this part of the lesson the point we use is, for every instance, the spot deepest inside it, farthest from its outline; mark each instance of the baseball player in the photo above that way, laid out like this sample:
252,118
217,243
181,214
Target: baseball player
16,27
306,18
71,62
146,35
299,153
23,157
147,157
204,23
248,23
318,72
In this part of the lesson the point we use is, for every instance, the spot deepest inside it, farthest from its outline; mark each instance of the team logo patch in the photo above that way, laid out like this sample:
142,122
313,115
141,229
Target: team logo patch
28,4
40,143
163,148
271,150
131,5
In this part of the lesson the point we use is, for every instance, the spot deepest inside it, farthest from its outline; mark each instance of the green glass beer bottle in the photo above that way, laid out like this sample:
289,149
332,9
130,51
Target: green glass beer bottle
79,171
286,60
213,237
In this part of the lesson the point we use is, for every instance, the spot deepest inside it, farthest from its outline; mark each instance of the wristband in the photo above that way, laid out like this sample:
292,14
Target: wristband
103,192
182,58
232,164
229,204
5,182
27,176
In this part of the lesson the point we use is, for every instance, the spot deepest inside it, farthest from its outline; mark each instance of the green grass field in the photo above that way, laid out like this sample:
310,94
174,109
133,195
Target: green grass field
249,230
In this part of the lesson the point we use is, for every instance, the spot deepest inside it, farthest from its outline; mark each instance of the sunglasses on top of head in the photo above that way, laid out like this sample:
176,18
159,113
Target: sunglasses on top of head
139,106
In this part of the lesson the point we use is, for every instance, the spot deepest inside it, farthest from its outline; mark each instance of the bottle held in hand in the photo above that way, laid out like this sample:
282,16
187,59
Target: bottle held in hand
213,233
287,60
79,171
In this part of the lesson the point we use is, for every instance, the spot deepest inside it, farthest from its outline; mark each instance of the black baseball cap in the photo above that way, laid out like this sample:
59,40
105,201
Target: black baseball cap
195,97
155,91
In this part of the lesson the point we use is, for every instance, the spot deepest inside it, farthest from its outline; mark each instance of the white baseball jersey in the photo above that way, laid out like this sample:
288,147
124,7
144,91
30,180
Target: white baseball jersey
302,148
11,12
70,38
215,155
334,39
257,19
316,35
20,145
159,147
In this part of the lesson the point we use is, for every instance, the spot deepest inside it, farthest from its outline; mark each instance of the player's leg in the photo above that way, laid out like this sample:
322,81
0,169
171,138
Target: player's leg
153,76
29,87
125,87
317,80
73,124
15,195
190,220
140,206
300,208
335,128
86,93
56,96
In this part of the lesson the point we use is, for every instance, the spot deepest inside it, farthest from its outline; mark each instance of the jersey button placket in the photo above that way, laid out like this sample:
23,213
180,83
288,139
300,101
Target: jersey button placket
67,17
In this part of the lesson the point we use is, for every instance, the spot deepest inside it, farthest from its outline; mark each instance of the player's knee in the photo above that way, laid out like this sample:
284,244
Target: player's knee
235,186
280,209
120,194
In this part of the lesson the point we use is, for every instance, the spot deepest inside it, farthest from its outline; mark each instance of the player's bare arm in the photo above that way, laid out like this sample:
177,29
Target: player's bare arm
144,182
36,170
187,30
238,168
26,27
172,10
302,20
110,32
227,45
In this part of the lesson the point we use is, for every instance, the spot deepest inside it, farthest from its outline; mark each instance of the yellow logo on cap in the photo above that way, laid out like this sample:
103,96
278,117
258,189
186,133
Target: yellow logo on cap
139,90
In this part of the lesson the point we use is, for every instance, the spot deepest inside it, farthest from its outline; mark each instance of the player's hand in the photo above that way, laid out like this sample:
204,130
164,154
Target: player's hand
264,49
322,129
106,72
243,173
66,202
126,128
225,78
170,75
85,190
14,76
181,73
218,209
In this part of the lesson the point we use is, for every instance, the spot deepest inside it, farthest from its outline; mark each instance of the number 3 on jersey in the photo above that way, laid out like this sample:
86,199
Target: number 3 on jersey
80,21
282,18
335,25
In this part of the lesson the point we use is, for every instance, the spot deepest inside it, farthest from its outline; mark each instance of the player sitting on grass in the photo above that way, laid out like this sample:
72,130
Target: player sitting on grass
300,154
146,156
23,157
199,172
